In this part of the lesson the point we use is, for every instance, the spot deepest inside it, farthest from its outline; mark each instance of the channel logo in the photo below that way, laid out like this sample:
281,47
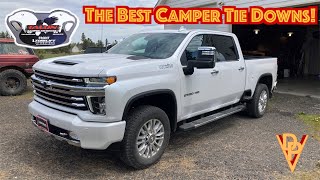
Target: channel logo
42,30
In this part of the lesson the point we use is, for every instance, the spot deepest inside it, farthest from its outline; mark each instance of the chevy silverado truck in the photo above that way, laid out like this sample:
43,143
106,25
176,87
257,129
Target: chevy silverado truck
147,87
15,67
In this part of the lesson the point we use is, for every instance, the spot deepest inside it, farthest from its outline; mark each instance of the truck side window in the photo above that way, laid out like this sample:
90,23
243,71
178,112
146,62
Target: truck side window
191,50
226,47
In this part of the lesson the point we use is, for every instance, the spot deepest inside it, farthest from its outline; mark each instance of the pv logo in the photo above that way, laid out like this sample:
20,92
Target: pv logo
291,148
42,30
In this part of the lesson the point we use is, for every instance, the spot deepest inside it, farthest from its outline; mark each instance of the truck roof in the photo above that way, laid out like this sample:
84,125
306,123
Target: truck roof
167,31
187,31
7,40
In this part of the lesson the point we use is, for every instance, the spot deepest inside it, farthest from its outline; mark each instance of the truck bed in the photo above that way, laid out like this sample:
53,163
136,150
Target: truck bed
258,66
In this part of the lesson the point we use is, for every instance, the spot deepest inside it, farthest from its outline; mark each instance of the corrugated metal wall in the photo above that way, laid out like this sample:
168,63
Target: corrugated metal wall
313,62
216,27
238,3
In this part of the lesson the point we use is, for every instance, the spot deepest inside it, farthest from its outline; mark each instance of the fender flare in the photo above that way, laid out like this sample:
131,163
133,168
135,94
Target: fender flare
173,122
262,76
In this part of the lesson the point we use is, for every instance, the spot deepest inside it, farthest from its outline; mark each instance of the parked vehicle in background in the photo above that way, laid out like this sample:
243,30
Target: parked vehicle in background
15,67
147,87
92,50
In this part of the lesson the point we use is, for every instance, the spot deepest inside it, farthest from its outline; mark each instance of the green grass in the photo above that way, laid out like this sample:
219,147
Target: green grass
303,175
313,123
310,175
49,55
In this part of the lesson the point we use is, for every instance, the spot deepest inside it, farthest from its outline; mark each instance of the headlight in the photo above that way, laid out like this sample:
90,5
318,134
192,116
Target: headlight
95,80
101,81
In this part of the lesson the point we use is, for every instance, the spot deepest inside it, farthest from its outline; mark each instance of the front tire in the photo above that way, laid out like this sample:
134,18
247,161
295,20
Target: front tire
257,106
12,82
146,137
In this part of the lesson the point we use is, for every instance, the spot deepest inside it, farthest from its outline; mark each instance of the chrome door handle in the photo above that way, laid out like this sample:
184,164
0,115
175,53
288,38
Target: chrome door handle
241,69
214,72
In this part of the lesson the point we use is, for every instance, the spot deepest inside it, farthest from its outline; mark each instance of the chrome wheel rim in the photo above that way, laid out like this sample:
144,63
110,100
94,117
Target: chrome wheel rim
150,138
263,99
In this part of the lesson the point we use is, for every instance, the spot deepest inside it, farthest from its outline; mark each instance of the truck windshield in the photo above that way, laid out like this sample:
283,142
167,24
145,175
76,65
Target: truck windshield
150,45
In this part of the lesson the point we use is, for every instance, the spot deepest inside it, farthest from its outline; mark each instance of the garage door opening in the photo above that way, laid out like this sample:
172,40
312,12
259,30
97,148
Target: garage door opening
296,47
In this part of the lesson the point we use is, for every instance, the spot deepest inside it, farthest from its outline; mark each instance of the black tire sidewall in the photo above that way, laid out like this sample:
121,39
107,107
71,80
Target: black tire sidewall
135,121
4,75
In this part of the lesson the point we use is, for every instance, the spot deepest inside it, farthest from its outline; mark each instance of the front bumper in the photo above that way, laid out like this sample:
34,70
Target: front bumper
91,135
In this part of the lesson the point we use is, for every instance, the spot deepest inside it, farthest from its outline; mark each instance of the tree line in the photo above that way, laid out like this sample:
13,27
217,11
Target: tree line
5,34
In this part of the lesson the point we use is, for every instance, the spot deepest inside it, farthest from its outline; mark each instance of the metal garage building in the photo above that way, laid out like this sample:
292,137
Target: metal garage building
297,47
238,3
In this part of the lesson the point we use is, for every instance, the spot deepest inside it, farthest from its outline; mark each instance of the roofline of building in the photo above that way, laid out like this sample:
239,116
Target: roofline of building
160,2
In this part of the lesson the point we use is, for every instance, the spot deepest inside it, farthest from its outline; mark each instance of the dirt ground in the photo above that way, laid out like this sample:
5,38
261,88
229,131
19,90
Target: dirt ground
236,147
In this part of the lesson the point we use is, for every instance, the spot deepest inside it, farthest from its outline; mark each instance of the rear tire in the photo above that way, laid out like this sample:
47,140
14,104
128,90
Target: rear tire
12,82
258,105
143,143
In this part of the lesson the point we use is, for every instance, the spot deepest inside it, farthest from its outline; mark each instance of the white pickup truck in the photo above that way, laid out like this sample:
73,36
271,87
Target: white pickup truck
147,87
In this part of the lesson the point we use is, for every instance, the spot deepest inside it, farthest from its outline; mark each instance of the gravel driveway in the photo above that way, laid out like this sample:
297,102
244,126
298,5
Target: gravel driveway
234,147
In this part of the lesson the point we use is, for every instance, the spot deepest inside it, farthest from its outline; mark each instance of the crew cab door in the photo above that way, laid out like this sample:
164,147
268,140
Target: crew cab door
210,89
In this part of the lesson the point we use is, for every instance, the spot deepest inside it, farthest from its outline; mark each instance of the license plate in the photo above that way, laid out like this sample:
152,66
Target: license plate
42,123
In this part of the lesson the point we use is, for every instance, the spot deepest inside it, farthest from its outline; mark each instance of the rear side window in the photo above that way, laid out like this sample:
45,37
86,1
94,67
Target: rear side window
226,46
12,49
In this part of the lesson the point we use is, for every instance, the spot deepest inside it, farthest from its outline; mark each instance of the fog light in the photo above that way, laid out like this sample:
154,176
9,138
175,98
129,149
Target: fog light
73,136
97,105
102,106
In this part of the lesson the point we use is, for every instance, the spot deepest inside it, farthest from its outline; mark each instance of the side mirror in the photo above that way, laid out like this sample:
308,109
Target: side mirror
206,58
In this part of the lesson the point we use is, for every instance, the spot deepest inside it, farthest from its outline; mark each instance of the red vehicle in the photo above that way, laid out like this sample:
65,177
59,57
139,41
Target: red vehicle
15,67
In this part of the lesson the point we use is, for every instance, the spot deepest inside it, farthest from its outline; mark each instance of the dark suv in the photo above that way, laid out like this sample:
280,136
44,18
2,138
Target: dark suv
15,67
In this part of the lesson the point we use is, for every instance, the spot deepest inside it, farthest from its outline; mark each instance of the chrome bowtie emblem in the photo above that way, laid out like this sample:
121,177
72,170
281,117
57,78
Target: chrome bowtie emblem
46,85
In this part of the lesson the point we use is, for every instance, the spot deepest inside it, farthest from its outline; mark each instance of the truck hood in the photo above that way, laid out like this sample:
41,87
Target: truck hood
87,65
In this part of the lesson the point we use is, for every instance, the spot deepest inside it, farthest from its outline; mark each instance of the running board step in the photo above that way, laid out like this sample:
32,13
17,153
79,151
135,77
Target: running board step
211,118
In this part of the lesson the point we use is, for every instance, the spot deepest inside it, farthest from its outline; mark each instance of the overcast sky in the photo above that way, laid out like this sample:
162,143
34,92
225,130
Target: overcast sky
112,32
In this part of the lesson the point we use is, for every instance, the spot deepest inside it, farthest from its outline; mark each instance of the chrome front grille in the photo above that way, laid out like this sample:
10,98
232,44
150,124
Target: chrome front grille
59,78
62,99
64,90
46,86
